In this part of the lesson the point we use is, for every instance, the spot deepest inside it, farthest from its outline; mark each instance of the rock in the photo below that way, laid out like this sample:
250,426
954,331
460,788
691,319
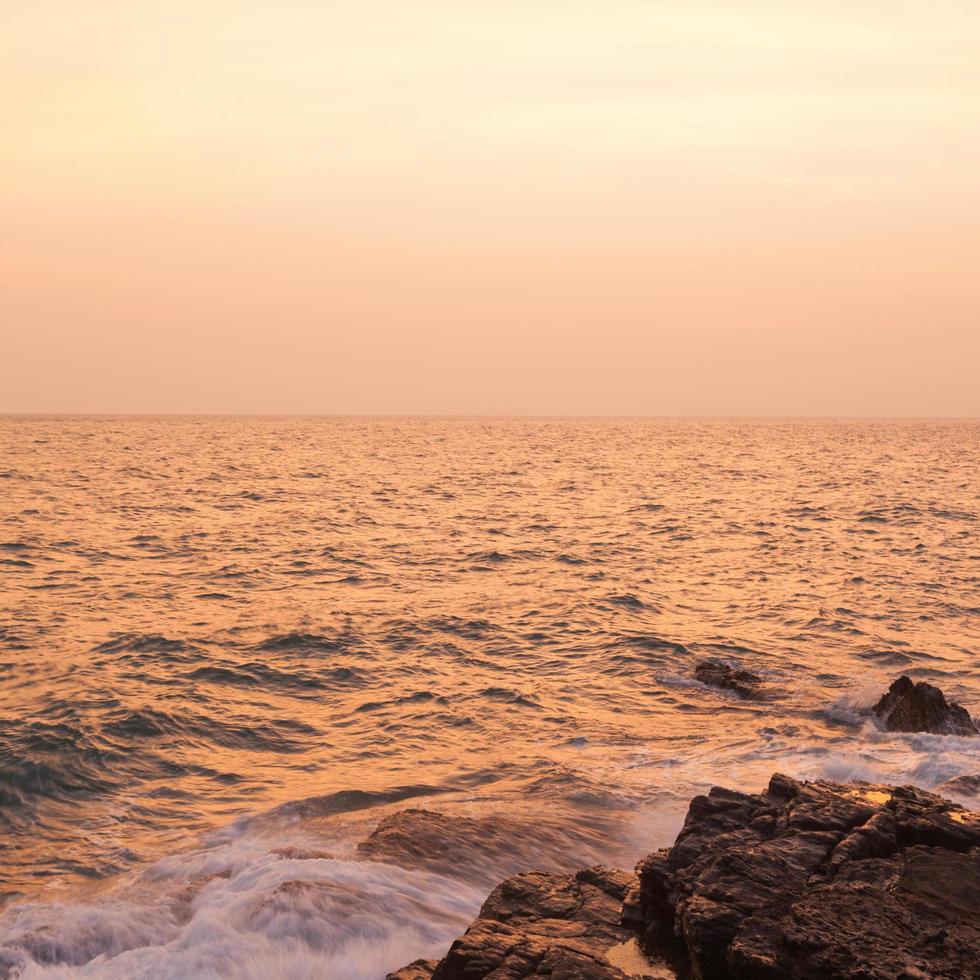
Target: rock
481,849
963,785
806,881
909,707
419,970
818,880
544,925
714,673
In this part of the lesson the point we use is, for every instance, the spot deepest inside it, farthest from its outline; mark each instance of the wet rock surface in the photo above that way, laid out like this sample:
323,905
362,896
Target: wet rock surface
804,881
419,970
967,785
469,846
739,681
540,925
812,880
911,707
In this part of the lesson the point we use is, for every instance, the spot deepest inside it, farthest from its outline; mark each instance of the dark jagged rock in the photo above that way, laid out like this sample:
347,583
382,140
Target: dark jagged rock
540,925
419,970
910,707
714,673
806,881
819,880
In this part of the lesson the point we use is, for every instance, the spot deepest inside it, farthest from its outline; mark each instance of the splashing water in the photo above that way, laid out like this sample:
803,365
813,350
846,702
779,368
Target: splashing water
228,647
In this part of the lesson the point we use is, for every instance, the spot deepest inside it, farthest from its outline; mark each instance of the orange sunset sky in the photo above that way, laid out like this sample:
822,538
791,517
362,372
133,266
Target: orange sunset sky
534,207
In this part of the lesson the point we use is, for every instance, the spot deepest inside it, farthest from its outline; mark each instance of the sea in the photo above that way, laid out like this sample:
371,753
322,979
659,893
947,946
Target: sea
231,646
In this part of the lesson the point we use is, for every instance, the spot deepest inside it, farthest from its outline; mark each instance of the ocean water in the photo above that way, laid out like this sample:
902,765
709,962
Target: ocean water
230,646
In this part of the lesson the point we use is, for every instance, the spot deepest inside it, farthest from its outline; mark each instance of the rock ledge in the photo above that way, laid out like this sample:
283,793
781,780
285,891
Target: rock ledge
804,881
910,707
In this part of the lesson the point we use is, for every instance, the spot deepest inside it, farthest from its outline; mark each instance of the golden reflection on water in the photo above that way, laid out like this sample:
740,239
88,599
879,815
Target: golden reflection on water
203,618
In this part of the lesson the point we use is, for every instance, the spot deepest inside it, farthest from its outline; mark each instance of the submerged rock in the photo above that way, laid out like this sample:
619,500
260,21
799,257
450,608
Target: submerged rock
480,849
910,707
805,881
717,674
967,785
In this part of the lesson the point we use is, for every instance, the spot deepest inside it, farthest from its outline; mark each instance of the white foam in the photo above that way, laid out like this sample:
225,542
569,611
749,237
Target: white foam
240,912
871,755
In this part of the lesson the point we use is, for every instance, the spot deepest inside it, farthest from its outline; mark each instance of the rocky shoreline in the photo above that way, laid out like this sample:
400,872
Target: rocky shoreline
803,881
806,881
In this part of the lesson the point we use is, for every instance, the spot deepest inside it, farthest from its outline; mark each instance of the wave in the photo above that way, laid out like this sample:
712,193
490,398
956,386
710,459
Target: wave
301,643
55,761
269,735
258,674
240,910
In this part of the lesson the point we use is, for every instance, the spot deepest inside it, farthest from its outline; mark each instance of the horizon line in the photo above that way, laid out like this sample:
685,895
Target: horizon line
488,415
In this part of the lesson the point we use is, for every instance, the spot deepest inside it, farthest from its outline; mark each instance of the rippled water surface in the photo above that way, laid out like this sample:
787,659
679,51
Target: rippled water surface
220,636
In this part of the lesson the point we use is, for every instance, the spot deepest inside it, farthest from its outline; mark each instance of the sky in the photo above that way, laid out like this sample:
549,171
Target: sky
621,207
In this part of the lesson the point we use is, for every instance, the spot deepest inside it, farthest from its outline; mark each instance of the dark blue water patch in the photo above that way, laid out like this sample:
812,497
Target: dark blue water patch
539,638
230,571
952,515
145,723
143,643
301,643
452,720
668,528
648,641
403,636
152,724
305,569
628,600
834,625
489,559
676,704
169,793
505,695
256,674
216,775
469,629
56,760
148,652
419,697
24,778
